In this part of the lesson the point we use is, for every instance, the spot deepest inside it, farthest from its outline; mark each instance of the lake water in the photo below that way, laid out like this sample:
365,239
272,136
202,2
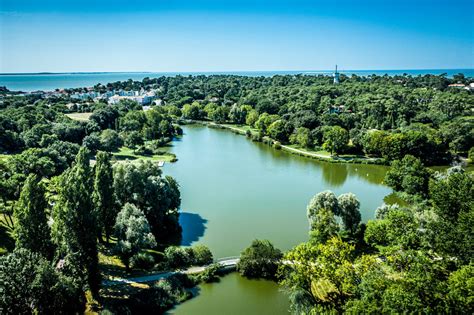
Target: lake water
49,82
235,191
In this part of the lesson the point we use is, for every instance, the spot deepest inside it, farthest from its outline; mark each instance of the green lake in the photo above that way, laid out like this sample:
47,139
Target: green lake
234,191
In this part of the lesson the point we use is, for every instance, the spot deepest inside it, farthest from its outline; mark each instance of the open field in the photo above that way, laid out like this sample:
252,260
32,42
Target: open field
128,154
79,116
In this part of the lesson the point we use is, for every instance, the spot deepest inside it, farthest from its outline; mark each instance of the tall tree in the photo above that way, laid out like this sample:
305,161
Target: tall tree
75,222
31,229
349,211
103,195
133,232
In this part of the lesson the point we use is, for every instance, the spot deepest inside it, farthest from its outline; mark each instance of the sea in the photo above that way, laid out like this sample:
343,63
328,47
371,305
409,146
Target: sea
28,82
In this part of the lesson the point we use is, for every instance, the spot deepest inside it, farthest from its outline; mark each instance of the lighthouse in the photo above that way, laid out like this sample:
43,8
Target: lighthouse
336,76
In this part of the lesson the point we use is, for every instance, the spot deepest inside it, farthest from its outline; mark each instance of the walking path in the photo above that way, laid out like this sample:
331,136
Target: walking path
227,262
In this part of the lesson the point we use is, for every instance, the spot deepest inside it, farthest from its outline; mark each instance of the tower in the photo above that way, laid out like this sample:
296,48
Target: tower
336,76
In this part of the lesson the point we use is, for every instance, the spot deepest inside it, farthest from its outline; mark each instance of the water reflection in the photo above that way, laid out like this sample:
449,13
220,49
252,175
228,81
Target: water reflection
193,226
334,174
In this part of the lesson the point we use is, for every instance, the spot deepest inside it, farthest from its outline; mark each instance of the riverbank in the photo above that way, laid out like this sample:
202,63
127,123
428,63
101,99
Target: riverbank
316,155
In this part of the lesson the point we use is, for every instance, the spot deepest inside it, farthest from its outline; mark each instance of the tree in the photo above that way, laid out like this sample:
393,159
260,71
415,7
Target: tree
461,290
202,255
31,229
301,137
260,260
408,175
75,226
219,115
324,272
104,195
251,118
323,200
158,197
278,130
132,139
110,140
349,211
92,142
133,233
30,285
336,139
323,226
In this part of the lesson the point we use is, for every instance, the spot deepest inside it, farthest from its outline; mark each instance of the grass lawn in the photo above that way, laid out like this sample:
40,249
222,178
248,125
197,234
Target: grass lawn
7,242
79,116
127,154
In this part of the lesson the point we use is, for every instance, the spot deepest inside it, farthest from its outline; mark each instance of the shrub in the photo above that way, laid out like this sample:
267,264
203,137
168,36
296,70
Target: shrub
210,274
142,261
248,133
260,260
202,255
277,145
177,257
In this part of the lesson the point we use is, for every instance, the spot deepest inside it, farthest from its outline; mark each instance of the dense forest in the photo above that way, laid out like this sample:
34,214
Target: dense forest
68,203
380,116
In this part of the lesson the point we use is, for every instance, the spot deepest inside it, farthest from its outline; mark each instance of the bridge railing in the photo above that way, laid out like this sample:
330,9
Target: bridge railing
226,258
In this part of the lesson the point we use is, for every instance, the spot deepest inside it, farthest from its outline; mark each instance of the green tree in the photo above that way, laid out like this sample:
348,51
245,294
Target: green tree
30,285
408,175
302,137
141,183
133,233
104,195
75,227
202,255
251,118
349,211
323,226
323,200
336,139
219,115
260,260
110,140
31,229
461,290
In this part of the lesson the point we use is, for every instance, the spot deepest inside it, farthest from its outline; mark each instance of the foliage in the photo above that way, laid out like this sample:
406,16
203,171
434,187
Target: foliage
408,175
75,227
29,285
133,233
259,260
141,184
202,255
104,195
31,227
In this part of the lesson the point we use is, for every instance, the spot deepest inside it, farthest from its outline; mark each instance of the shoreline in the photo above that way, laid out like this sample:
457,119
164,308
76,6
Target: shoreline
300,152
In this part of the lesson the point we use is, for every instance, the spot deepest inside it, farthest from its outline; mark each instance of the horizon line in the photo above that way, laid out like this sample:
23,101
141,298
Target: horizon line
222,71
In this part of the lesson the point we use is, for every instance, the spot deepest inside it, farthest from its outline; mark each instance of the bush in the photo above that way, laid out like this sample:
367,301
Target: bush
202,255
210,274
248,133
177,257
142,261
142,150
471,154
162,296
260,260
277,145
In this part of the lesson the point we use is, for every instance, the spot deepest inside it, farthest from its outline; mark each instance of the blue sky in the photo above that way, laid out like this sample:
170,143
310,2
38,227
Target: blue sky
138,35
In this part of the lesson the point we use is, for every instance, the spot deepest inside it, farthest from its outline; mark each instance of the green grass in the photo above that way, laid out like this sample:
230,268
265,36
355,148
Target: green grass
127,154
79,116
7,242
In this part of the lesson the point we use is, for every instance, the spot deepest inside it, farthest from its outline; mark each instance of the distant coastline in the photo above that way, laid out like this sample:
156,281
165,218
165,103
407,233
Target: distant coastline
50,81
374,71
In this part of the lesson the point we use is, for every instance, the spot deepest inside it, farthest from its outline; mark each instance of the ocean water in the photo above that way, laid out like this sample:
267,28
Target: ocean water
52,81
